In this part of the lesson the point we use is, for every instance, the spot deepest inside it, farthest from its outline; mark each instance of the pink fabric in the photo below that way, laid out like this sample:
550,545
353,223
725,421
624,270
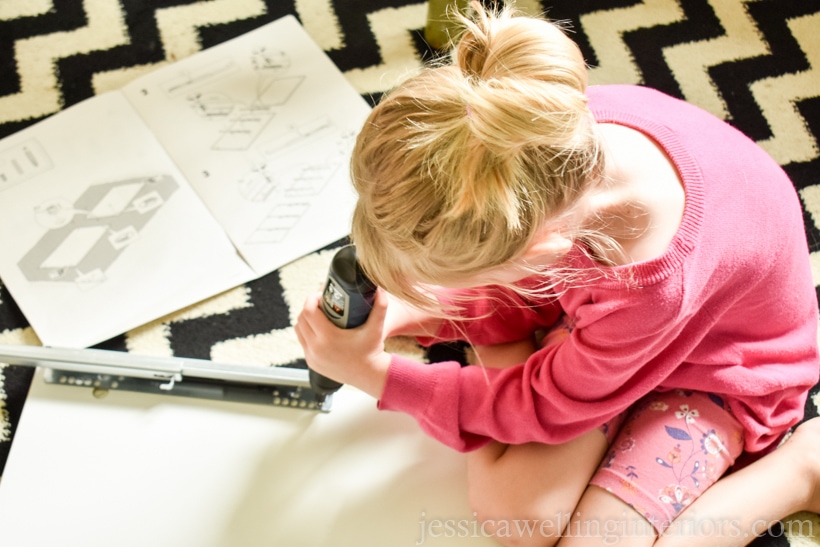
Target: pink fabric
730,308
671,448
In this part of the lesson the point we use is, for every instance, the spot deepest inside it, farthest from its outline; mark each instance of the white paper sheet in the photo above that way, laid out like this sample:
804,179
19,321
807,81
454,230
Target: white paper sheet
99,231
193,179
262,126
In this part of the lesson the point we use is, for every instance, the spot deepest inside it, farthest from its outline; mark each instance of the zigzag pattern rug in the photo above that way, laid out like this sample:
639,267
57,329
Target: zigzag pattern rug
755,63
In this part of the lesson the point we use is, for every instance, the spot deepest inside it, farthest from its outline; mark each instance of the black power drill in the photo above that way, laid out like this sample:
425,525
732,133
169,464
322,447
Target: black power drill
346,300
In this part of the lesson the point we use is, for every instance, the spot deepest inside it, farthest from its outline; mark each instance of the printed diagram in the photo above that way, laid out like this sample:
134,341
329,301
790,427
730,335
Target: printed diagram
85,238
245,123
298,162
272,61
22,162
297,166
276,225
239,109
193,79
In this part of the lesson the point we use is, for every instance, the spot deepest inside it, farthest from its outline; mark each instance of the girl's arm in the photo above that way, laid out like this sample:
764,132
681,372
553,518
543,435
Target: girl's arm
405,320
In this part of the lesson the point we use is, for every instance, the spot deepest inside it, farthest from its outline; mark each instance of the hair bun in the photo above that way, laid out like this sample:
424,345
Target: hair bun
461,165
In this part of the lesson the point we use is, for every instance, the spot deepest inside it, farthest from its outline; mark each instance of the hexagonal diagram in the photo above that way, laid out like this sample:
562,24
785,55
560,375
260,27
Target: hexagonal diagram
86,237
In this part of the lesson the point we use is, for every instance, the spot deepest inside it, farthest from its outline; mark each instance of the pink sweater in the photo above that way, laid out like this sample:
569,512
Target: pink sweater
729,308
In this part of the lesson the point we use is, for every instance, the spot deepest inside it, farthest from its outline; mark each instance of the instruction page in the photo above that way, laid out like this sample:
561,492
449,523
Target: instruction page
262,127
191,180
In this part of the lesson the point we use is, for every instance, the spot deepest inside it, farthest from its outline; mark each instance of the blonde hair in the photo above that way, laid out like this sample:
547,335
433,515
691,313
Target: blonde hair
462,165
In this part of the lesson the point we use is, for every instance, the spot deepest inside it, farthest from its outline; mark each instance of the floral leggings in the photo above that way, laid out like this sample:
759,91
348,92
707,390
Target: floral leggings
670,447
666,450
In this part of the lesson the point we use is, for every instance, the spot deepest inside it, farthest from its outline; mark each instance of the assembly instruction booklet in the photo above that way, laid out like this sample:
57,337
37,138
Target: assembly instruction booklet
190,180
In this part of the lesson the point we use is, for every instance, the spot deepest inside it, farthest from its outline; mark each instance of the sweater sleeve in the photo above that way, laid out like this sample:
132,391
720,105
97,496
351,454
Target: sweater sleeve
560,392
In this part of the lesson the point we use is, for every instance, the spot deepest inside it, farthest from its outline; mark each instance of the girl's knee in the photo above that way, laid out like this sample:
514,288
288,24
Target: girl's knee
518,532
514,518
524,494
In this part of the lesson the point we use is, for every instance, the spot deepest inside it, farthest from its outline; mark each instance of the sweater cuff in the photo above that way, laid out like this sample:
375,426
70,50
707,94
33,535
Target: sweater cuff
409,386
429,393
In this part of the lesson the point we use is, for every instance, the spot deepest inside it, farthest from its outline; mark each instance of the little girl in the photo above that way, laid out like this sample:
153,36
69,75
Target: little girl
662,252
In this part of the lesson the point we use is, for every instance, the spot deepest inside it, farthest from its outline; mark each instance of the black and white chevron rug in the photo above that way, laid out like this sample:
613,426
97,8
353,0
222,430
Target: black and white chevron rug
755,63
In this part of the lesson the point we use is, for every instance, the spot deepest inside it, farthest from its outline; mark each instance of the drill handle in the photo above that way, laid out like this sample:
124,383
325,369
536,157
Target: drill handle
346,300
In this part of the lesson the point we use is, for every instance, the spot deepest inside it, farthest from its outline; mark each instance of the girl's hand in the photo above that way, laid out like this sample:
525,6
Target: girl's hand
350,356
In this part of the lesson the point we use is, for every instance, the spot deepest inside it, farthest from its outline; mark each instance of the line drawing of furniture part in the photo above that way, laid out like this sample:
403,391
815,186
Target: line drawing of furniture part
85,238
275,226
189,79
245,122
23,162
243,111
298,162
